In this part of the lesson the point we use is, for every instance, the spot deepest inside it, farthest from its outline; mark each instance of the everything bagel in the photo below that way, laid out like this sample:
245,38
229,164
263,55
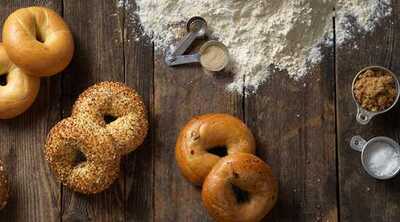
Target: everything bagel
123,105
205,132
20,90
101,141
240,188
38,41
66,140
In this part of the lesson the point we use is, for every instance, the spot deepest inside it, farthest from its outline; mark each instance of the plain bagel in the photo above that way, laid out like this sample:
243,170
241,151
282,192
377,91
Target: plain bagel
240,188
19,91
205,132
38,41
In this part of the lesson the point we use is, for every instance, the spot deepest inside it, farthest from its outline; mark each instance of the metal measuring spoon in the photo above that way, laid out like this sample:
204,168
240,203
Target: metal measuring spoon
197,28
197,57
363,115
367,147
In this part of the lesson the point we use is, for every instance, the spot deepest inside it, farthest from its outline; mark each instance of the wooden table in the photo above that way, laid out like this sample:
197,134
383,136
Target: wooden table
302,128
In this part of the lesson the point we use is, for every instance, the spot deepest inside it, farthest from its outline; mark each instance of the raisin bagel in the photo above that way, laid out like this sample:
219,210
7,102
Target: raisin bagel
38,41
205,132
240,188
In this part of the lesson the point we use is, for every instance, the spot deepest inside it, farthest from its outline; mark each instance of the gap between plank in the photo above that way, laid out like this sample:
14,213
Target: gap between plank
336,119
61,115
124,194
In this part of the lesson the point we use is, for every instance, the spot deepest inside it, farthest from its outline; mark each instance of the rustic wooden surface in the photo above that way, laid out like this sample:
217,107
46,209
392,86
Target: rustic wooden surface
362,198
302,128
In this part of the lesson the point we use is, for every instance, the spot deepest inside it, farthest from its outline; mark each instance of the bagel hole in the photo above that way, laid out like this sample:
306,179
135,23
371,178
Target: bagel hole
241,196
109,119
39,37
220,151
79,158
3,80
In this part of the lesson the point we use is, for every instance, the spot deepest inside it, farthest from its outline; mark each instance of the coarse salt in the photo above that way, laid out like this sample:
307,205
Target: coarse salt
383,159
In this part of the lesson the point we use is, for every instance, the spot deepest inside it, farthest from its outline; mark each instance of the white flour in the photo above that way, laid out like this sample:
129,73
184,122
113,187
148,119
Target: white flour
262,35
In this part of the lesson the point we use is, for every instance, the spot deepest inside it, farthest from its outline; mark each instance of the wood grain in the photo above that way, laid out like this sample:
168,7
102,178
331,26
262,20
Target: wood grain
35,194
294,125
302,127
361,197
97,29
139,165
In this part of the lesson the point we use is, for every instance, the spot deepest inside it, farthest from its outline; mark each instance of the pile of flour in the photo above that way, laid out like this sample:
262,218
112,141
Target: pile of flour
262,35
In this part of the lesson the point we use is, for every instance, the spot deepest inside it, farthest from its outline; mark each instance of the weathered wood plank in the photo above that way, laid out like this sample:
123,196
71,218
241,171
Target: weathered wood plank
138,165
363,198
35,194
179,94
294,125
97,28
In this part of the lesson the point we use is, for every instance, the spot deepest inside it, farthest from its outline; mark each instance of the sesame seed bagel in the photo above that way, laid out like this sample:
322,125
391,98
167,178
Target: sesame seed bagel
4,189
73,135
19,91
205,132
240,188
38,41
123,104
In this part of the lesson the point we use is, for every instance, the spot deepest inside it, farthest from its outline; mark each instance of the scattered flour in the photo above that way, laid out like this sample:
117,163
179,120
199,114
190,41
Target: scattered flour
262,35
120,3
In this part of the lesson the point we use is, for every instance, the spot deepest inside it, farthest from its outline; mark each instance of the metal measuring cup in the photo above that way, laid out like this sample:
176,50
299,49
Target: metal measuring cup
365,147
364,116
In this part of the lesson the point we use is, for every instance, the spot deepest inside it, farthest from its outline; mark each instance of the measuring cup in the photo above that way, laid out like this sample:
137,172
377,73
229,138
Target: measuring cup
208,63
363,115
367,149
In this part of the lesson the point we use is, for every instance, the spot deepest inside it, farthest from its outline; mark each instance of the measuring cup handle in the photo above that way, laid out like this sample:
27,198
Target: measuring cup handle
363,116
357,143
184,59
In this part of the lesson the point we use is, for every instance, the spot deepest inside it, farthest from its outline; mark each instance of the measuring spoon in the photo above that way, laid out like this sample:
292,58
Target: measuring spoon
368,148
197,57
197,28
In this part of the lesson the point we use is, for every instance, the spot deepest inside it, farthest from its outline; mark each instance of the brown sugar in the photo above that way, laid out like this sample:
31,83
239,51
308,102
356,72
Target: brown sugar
375,90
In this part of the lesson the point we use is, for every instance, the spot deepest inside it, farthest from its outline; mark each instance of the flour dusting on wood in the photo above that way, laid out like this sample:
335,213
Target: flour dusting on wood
262,36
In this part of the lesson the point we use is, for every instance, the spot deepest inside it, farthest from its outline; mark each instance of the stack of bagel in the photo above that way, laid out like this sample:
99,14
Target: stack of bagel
108,121
36,43
236,187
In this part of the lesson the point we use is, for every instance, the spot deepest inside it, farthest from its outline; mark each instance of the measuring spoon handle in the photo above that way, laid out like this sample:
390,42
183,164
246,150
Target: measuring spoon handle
184,44
184,59
357,143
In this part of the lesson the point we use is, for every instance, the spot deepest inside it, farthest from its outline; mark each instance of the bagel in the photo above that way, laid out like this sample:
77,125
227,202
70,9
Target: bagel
38,41
4,189
20,90
71,136
240,188
121,103
205,132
